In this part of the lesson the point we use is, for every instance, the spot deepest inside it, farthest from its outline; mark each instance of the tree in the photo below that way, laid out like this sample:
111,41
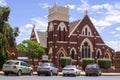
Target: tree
7,37
32,49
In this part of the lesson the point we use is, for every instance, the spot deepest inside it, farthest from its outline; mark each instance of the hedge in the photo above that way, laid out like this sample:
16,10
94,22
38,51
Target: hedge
86,61
65,61
104,63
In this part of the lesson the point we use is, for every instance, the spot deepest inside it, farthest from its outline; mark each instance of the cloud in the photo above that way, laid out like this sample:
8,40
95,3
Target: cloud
44,5
113,32
72,19
84,6
113,19
40,23
3,3
29,25
100,24
118,28
117,35
115,45
70,6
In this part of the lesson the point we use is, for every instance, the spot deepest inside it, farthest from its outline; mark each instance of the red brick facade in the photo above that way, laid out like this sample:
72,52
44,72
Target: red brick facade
78,39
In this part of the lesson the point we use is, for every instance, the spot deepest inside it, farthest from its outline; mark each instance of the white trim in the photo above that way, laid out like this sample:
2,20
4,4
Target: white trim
74,34
64,52
37,36
100,44
73,49
88,30
62,42
98,50
76,26
73,42
62,26
51,27
50,42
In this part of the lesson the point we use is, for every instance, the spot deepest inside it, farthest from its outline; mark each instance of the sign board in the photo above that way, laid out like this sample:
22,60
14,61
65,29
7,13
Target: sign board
45,57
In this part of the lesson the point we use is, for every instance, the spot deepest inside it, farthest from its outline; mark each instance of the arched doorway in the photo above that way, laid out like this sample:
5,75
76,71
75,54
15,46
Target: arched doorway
60,55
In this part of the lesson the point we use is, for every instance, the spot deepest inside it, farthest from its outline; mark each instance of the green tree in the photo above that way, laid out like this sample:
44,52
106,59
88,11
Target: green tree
32,49
7,37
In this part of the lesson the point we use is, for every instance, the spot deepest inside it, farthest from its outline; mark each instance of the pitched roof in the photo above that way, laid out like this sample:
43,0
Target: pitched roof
72,25
42,38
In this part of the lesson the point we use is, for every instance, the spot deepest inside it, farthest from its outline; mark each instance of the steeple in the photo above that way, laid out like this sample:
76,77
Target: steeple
58,13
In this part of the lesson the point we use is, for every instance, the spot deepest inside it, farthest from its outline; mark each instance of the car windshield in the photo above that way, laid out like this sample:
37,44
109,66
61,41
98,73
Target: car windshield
91,65
70,66
11,63
44,64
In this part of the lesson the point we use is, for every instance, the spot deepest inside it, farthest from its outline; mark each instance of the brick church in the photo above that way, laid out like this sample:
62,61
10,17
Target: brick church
78,39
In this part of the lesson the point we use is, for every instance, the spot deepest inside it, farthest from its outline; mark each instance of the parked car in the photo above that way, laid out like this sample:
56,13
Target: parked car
92,69
71,70
47,69
17,67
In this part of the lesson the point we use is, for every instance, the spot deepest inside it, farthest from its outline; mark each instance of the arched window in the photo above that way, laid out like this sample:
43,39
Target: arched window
86,50
72,54
60,55
64,35
98,54
51,35
62,31
51,29
86,31
59,34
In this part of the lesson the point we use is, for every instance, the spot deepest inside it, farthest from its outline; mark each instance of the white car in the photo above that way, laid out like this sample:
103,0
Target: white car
71,70
17,67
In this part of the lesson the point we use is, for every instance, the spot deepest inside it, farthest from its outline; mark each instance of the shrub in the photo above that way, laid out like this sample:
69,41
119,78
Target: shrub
86,61
65,61
104,63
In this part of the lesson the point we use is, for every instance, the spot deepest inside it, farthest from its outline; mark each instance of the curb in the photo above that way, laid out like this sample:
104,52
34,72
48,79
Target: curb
81,74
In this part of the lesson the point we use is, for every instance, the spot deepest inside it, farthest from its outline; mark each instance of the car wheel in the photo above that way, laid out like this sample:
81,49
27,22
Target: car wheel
86,74
6,73
51,73
19,73
31,73
63,75
38,74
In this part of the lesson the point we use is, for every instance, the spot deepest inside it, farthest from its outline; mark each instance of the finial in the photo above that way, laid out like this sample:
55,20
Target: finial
86,12
67,6
55,3
33,26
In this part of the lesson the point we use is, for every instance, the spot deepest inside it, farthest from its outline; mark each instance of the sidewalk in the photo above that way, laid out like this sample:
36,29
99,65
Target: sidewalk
81,74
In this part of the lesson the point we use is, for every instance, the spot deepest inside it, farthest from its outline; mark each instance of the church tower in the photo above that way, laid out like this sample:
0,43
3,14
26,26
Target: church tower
58,30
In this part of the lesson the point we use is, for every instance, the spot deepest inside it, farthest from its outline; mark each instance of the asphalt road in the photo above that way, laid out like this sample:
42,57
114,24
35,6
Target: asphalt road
35,77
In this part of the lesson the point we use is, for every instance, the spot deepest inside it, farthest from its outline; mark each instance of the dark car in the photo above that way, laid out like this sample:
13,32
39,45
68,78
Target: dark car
92,69
47,69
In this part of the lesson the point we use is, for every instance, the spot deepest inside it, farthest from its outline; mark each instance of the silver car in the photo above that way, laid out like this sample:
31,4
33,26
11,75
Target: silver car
71,70
47,69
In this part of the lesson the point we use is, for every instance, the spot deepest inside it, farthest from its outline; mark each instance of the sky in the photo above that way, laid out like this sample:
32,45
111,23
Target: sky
104,14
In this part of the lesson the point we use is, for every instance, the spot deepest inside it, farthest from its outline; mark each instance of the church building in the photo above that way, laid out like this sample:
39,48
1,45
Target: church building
78,39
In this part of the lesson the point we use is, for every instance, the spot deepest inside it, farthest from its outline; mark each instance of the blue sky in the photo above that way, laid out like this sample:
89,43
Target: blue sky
105,15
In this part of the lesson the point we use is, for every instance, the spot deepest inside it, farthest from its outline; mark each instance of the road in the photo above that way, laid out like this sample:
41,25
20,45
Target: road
35,77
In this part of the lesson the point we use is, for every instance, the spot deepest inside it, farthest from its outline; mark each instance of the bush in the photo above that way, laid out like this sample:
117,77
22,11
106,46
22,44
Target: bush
65,61
86,61
104,63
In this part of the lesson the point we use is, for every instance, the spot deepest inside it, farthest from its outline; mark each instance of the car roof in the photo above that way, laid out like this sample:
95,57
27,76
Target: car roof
15,60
